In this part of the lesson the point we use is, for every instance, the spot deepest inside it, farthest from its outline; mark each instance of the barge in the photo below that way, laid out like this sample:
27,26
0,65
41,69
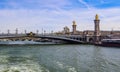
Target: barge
110,42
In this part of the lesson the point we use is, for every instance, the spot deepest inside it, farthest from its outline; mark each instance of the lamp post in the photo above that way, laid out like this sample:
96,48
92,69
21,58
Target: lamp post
37,31
16,30
25,31
44,32
8,31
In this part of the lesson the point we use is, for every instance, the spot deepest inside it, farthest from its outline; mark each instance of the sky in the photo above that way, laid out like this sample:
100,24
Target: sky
53,15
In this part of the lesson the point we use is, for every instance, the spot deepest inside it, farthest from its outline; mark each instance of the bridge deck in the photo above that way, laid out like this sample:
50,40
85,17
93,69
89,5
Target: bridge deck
64,38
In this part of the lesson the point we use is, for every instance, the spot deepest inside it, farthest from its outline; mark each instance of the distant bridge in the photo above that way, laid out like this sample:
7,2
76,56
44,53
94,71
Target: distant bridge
69,38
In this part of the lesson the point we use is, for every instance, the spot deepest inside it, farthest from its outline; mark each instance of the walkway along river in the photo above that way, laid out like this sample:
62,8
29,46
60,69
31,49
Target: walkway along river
59,58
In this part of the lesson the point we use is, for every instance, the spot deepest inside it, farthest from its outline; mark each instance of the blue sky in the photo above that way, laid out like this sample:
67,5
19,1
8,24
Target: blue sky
51,15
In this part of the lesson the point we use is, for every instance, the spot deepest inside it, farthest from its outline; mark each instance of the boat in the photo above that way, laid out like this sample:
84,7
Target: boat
110,42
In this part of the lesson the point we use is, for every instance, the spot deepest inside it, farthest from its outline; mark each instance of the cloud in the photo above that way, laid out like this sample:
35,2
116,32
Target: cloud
84,3
34,4
50,15
57,19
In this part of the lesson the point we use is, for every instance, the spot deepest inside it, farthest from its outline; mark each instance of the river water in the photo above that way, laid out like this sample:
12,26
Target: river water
59,58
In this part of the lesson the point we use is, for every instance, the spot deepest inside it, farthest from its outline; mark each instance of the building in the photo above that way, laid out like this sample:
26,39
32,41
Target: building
95,35
66,30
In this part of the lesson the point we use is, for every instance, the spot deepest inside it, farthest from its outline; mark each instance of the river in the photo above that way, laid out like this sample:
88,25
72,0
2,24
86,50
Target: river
59,58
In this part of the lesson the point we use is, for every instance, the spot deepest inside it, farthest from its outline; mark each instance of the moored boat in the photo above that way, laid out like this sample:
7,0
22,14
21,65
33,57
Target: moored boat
110,42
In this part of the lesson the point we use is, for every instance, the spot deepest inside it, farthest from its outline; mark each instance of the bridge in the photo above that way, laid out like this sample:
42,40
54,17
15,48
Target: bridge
73,39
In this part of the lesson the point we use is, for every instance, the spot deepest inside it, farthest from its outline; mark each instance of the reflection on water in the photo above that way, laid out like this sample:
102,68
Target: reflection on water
59,58
99,61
